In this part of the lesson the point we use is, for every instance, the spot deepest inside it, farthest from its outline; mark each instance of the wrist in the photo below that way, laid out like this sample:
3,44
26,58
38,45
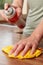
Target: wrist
37,35
38,32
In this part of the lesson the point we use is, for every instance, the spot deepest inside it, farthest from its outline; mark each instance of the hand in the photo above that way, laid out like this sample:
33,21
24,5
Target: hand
24,45
6,6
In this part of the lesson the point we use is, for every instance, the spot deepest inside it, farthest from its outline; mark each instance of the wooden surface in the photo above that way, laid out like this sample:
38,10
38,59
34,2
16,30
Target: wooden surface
8,37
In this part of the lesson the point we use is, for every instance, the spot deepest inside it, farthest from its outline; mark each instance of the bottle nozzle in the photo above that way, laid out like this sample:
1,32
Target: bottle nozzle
9,11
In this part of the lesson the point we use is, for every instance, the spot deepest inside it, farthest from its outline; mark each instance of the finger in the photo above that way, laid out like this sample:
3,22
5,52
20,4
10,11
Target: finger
27,47
6,6
14,48
18,11
20,48
33,48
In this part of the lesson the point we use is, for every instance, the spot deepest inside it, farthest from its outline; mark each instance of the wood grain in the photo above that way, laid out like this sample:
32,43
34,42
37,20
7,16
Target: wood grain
9,37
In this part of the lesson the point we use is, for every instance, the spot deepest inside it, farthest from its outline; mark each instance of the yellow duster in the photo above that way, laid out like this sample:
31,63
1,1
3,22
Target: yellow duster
7,49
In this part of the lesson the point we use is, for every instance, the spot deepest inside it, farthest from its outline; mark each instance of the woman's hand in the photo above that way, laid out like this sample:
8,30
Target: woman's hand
24,45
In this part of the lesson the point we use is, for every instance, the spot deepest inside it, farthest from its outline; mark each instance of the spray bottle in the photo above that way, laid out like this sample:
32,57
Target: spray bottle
13,17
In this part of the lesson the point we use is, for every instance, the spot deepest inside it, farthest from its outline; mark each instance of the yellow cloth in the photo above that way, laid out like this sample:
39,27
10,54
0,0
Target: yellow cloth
7,49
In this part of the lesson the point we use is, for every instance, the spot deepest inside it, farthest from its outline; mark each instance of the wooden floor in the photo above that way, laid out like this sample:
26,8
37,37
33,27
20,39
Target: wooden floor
9,36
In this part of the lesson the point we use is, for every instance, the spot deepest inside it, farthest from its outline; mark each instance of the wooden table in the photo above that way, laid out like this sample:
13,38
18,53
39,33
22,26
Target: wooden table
8,37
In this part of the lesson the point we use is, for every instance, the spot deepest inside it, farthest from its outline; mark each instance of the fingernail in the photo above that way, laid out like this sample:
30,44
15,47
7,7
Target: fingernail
31,53
22,54
15,54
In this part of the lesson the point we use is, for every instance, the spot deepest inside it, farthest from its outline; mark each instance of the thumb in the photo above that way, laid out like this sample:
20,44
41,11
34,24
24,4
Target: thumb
6,6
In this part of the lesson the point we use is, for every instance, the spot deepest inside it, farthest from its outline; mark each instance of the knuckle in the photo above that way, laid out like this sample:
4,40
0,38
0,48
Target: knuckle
17,50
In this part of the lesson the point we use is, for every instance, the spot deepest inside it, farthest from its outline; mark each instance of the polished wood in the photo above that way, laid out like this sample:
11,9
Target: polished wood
9,36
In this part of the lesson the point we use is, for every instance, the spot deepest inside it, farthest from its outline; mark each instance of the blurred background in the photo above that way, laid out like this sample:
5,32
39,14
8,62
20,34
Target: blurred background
4,1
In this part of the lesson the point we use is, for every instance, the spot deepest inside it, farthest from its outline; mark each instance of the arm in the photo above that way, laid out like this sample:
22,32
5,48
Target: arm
38,32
